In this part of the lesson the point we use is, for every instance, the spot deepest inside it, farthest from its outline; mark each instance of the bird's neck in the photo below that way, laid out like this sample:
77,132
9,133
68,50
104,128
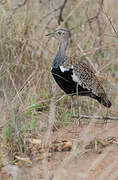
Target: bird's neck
62,47
60,57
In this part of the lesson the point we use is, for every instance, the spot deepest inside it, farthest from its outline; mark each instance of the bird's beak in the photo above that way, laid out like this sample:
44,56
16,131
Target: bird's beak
50,34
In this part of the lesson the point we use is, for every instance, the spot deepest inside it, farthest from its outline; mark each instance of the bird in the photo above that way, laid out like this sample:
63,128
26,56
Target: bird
75,77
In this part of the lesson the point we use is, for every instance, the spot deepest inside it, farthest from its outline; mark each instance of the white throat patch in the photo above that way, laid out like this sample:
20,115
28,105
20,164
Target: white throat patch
63,69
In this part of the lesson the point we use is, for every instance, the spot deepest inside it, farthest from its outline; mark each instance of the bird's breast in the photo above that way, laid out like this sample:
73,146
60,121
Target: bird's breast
63,77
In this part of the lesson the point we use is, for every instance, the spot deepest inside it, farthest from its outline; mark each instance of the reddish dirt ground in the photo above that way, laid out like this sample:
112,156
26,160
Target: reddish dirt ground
82,162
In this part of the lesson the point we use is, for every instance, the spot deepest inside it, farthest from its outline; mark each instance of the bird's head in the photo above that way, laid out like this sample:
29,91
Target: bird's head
60,34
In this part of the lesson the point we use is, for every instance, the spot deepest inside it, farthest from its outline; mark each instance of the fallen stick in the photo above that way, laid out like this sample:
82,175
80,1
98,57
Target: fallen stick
96,117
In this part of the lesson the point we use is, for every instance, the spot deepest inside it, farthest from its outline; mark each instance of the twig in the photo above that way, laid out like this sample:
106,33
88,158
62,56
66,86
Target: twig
48,14
71,12
60,8
14,9
101,3
19,6
24,85
100,30
97,19
88,59
61,12
90,20
96,117
109,19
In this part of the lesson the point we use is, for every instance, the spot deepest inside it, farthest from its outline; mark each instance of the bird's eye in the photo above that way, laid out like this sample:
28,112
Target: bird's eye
59,33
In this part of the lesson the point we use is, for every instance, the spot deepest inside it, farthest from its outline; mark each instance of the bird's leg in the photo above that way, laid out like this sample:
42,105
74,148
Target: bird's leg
105,120
72,106
78,103
79,107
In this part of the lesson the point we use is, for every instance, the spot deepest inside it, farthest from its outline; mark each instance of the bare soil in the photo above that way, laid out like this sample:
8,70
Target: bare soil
91,162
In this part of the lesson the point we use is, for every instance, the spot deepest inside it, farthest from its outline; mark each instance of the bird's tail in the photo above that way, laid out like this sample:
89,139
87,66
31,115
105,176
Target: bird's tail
104,100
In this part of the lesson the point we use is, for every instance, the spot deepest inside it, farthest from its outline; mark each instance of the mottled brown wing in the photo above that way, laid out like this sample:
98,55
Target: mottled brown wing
85,76
87,79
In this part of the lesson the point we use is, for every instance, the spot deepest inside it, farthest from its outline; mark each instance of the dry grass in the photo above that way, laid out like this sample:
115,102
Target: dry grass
30,101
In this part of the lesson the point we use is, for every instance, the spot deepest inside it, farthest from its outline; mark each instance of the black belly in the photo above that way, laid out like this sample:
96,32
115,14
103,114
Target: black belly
66,83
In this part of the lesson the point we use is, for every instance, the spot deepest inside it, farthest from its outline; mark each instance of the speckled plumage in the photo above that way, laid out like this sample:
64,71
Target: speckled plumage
73,76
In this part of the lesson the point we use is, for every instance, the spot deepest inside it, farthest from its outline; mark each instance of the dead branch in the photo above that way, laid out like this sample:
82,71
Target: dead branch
60,8
92,19
14,9
97,19
111,23
100,28
19,5
60,18
48,14
101,3
96,117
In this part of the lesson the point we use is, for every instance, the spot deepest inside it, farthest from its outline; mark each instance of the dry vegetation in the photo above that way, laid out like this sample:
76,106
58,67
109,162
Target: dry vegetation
35,122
